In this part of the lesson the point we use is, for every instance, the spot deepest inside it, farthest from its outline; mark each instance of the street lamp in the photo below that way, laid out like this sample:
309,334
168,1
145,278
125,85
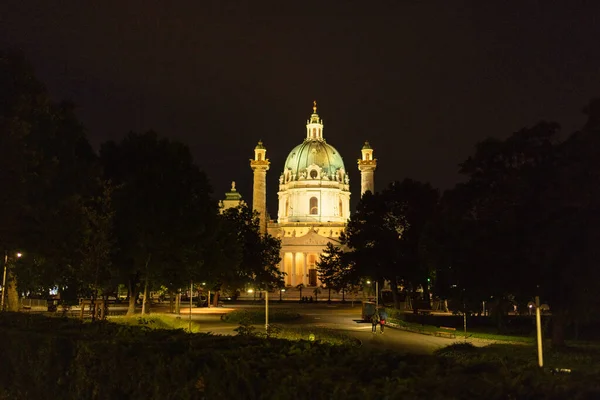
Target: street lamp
207,298
376,293
266,309
281,291
19,255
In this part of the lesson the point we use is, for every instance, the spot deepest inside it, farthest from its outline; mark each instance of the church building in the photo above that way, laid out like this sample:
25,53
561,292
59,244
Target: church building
313,200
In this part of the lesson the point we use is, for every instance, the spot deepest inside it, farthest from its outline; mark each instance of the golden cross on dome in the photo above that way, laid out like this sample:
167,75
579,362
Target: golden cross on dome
315,106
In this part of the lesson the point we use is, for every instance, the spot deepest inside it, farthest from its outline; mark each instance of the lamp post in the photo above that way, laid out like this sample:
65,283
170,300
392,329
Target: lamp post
267,312
191,302
281,291
4,277
376,293
266,309
207,298
538,324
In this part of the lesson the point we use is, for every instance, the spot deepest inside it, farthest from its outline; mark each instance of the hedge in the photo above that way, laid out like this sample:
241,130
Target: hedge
45,358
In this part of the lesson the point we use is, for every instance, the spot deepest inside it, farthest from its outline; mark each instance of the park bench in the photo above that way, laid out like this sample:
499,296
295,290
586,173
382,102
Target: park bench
446,332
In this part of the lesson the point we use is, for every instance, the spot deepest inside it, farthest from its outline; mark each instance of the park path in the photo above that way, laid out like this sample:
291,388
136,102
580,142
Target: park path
342,319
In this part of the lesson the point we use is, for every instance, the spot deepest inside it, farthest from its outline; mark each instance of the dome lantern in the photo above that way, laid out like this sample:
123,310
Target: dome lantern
314,126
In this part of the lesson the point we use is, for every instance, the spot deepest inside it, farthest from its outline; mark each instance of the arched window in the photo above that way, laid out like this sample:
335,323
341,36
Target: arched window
368,157
314,132
314,206
259,157
341,208
314,174
287,207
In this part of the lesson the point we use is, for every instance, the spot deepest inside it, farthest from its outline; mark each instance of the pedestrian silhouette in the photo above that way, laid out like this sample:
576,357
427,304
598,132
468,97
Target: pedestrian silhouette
374,322
382,320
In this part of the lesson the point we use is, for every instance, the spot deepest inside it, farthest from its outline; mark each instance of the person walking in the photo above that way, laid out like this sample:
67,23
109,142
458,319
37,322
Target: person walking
382,319
374,322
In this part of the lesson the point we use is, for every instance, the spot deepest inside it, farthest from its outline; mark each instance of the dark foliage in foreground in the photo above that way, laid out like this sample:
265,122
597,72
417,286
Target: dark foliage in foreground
60,358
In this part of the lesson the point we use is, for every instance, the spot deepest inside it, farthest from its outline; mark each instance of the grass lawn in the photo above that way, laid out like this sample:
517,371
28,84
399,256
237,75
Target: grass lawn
578,358
478,333
171,321
156,321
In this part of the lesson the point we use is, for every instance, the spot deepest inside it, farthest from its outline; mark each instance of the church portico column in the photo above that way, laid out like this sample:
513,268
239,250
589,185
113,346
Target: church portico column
305,269
293,270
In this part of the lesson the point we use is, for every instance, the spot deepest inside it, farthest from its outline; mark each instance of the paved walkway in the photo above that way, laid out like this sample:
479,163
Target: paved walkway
342,318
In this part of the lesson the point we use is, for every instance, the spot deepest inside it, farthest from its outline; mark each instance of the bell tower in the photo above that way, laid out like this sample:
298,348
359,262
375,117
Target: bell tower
260,166
367,165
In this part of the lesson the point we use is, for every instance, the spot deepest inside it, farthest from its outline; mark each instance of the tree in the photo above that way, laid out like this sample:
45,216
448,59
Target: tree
163,212
46,166
385,232
260,254
98,245
528,220
333,269
486,222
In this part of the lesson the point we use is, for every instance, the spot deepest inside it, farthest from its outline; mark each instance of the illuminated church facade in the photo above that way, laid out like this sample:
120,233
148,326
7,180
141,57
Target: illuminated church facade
313,200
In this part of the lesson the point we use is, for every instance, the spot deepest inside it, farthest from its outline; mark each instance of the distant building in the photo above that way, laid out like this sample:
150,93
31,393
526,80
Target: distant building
232,199
314,200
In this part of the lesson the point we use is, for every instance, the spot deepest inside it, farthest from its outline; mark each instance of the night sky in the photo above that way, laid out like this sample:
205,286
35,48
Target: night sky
423,81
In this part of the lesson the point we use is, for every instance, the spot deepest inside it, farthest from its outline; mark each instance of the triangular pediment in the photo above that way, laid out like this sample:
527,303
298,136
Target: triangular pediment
312,238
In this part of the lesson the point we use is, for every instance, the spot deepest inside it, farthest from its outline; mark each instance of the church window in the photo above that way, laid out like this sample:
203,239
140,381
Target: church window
314,132
314,206
259,157
314,174
368,157
287,207
341,208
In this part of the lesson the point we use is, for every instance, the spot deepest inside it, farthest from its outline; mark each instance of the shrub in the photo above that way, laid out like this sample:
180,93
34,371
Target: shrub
55,358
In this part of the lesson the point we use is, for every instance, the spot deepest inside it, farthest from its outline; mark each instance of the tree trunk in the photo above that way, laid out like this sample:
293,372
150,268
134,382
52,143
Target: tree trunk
559,323
329,296
93,310
145,308
132,297
177,302
171,302
216,299
144,299
12,295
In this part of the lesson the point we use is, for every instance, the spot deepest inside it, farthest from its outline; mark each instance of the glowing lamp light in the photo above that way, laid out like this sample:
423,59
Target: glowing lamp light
368,282
250,290
283,290
19,255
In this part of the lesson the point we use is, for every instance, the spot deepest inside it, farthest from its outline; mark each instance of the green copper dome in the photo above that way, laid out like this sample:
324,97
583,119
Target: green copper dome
314,152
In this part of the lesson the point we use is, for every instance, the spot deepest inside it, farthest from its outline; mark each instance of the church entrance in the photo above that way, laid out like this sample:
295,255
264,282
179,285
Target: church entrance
312,277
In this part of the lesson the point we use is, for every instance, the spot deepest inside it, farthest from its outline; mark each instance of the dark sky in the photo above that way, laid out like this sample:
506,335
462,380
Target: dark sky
423,81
